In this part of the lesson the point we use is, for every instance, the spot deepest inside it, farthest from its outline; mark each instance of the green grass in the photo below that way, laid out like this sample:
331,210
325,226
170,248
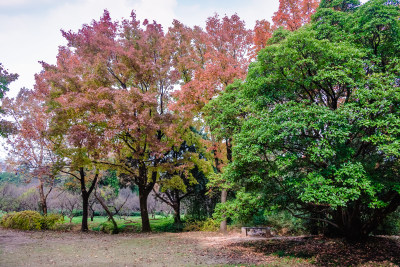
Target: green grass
131,223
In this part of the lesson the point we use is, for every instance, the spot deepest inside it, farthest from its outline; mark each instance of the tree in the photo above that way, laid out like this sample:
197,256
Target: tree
292,14
5,79
178,181
224,49
262,32
340,5
322,129
29,144
76,136
110,92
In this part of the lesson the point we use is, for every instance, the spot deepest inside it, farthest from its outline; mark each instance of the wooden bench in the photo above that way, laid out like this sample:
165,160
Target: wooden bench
261,231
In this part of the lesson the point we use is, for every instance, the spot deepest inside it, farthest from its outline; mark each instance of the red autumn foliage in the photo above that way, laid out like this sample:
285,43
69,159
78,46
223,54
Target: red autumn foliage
292,14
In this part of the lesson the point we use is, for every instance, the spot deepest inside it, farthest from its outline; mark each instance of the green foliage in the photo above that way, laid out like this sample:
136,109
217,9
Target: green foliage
208,225
23,220
8,200
30,220
342,5
107,227
390,226
9,177
200,205
284,223
51,220
322,125
225,113
240,209
111,179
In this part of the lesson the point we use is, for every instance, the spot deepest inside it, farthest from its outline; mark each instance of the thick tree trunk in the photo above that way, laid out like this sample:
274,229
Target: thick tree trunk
85,207
143,210
357,222
43,201
177,215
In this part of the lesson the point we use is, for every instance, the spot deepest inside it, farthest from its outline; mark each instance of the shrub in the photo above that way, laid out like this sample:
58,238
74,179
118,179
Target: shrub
209,225
50,220
107,227
30,220
284,223
23,220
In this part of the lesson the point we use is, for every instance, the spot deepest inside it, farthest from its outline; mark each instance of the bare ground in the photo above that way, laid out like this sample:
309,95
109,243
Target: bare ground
49,248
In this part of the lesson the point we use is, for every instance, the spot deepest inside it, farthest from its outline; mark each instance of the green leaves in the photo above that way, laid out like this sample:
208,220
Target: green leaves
322,127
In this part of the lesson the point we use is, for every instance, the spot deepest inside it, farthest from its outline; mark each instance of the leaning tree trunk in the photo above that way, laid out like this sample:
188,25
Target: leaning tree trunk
109,213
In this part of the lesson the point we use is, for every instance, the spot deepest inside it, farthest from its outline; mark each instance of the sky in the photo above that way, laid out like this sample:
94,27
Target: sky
30,29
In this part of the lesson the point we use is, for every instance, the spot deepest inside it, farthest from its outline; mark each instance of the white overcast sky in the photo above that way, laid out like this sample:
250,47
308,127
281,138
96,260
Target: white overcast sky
30,29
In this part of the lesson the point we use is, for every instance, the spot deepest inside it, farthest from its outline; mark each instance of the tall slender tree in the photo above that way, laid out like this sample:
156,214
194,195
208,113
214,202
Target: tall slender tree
29,144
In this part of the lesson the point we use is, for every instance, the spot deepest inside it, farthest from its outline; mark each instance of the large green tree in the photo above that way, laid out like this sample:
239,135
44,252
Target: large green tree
322,130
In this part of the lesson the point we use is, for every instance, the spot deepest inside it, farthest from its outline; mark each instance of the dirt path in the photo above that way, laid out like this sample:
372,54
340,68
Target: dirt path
18,248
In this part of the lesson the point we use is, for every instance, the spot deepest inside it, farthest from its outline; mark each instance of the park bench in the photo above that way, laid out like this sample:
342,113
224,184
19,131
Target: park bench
257,231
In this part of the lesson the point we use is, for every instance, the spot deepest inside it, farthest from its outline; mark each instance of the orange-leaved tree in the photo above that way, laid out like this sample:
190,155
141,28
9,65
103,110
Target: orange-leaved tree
221,55
292,14
116,82
30,148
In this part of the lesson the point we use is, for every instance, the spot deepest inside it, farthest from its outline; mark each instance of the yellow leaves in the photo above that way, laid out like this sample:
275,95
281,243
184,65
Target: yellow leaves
176,182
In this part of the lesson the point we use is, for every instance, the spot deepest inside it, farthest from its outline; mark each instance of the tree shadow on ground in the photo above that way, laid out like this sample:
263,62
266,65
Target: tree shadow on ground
320,251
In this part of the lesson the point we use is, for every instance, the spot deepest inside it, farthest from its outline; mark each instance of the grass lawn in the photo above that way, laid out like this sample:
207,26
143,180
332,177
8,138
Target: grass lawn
128,223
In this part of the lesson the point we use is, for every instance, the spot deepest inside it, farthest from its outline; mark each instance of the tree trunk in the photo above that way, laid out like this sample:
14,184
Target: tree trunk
177,215
109,213
224,192
356,223
223,226
85,198
85,207
143,210
43,202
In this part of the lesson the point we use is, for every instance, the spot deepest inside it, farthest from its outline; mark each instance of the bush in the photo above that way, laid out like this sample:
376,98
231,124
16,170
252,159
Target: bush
23,220
50,220
285,224
30,220
209,225
107,227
